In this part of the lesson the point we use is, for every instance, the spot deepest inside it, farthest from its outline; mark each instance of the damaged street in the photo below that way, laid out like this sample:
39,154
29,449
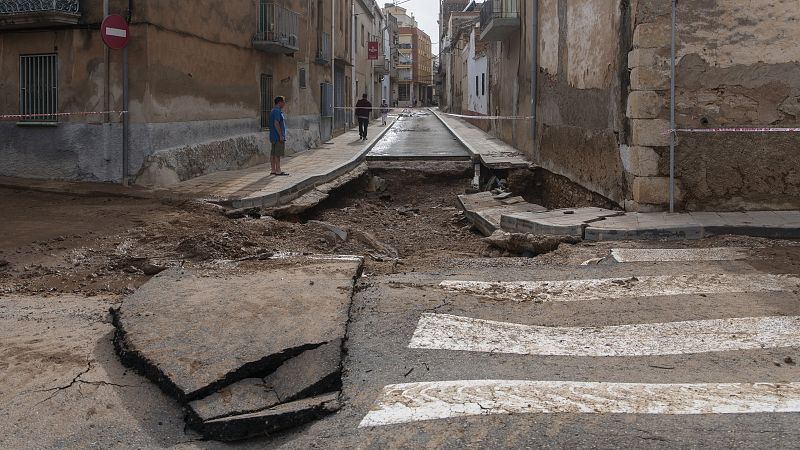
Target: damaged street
497,224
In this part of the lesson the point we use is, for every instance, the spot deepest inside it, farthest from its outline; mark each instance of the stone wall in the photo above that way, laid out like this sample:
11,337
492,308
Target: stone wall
738,65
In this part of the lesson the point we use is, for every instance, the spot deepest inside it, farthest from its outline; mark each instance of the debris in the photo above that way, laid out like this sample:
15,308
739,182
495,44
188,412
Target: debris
592,261
408,211
376,184
254,213
788,360
333,229
535,244
385,251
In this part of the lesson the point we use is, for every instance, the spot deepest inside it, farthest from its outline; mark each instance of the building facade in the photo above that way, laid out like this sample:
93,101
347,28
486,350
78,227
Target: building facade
201,83
603,88
415,60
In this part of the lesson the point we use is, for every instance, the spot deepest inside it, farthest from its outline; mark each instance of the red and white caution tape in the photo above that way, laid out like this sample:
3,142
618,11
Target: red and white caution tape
488,117
734,130
36,116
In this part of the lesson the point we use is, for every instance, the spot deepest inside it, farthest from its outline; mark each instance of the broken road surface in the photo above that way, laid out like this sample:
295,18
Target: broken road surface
264,338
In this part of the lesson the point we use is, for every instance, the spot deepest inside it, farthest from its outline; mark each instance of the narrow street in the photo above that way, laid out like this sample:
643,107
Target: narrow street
449,344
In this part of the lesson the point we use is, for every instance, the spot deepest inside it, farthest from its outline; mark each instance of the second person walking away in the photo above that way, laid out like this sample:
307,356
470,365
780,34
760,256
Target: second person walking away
277,136
363,110
384,111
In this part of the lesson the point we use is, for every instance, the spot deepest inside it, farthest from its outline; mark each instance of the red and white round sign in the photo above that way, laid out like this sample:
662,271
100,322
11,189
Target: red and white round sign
114,32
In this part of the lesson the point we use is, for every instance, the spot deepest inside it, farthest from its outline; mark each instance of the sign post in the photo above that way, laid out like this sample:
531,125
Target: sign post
115,33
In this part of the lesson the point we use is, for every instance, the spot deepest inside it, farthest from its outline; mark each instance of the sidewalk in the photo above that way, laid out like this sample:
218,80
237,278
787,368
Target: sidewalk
490,151
597,224
255,187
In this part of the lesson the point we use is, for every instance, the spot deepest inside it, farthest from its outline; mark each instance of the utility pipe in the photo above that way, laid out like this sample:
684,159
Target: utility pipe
672,135
333,65
534,65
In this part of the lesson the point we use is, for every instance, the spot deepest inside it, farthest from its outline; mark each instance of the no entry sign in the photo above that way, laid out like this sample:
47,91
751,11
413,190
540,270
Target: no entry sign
114,32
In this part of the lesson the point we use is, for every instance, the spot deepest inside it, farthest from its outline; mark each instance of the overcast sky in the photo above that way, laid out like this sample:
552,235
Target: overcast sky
427,14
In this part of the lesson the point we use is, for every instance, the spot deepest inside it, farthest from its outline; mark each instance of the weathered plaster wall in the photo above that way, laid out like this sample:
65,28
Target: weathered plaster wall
580,112
194,92
738,66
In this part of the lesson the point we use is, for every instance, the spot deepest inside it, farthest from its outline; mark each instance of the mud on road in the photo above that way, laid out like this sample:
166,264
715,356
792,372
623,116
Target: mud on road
56,244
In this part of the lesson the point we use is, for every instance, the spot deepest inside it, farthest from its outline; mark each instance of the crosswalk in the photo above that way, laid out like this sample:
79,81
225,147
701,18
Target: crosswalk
432,400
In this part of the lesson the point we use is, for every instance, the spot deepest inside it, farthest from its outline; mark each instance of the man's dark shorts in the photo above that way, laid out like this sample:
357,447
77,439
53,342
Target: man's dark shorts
278,148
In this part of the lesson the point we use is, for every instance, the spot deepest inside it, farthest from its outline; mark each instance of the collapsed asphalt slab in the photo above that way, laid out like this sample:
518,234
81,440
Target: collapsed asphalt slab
246,340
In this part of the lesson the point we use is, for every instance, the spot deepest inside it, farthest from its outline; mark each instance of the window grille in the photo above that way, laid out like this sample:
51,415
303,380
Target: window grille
302,78
38,87
267,100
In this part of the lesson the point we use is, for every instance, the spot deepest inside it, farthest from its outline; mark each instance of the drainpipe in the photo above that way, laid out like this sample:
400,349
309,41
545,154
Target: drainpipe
534,65
333,64
107,87
673,135
125,116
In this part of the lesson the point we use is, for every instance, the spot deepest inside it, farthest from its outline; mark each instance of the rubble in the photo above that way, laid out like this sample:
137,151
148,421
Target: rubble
528,244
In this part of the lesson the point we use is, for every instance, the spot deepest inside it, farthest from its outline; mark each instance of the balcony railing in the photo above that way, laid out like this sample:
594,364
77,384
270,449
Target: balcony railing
324,51
38,13
499,19
278,29
381,66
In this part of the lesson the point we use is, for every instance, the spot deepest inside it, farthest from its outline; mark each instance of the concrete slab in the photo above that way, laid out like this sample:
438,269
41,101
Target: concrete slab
194,333
558,222
246,396
314,372
271,420
485,211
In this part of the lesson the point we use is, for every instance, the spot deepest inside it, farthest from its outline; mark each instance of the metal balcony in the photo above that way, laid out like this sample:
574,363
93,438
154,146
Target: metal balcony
324,50
15,14
499,19
278,29
381,66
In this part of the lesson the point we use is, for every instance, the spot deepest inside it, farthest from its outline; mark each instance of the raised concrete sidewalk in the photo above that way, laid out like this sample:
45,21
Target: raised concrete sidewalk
490,151
255,187
597,224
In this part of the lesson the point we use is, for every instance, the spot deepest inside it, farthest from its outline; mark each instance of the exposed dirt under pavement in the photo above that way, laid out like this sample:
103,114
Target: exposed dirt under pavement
55,244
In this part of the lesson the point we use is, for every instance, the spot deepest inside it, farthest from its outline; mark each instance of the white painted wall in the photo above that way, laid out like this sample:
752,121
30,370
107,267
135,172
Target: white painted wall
477,69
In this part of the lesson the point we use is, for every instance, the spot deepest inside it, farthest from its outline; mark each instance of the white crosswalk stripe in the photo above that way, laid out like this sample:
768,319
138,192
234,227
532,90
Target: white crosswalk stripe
431,400
412,402
447,332
628,255
631,287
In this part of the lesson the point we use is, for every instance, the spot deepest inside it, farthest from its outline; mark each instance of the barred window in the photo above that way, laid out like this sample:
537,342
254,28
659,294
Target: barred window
38,87
267,100
302,79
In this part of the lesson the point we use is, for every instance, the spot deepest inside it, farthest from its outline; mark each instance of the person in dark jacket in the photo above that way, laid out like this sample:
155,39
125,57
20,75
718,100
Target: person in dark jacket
363,111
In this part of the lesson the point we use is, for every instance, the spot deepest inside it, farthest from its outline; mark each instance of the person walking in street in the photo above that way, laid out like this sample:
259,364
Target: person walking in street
363,110
277,136
384,111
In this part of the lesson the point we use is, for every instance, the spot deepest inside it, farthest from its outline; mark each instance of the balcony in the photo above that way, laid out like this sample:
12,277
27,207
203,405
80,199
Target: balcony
499,19
381,67
324,50
16,14
278,29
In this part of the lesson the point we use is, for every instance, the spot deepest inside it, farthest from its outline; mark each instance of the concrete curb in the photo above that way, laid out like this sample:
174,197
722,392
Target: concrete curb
287,195
476,156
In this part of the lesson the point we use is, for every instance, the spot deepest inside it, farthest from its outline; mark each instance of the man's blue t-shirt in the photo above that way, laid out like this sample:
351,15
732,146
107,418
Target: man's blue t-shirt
276,114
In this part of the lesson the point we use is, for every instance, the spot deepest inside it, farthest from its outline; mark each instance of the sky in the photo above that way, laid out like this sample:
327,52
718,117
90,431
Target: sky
427,14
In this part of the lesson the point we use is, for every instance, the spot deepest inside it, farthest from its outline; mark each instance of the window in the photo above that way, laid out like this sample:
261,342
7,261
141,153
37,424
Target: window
38,86
362,34
477,90
267,100
302,78
483,84
404,92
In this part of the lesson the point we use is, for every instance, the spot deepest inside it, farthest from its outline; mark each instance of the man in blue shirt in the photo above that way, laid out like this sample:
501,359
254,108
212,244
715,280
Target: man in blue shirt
277,136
